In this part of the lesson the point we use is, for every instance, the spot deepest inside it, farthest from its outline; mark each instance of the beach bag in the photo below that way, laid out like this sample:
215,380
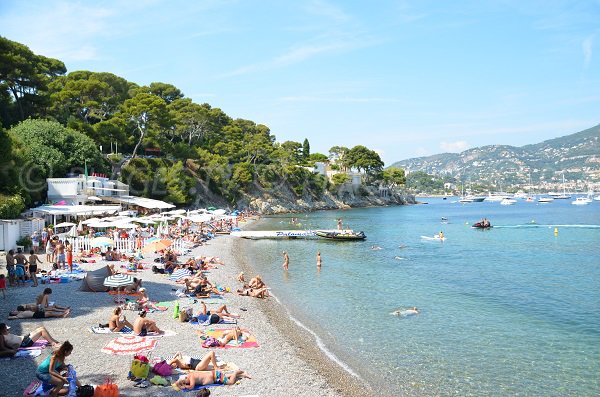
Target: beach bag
162,369
85,391
139,369
108,389
211,342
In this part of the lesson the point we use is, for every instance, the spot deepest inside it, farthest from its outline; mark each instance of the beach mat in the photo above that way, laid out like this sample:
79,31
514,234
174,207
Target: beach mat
98,330
218,333
37,345
25,354
206,322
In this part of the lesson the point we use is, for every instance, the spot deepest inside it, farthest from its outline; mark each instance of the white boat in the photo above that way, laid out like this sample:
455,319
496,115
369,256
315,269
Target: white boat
508,201
497,197
471,199
563,195
582,201
282,234
434,238
545,200
520,195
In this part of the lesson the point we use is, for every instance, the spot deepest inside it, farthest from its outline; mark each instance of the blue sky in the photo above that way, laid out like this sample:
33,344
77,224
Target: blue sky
405,78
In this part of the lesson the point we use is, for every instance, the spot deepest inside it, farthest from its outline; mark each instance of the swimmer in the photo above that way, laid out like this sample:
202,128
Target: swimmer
405,312
376,247
401,246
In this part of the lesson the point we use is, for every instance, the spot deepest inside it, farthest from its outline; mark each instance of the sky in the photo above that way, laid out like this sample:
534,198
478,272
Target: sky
404,78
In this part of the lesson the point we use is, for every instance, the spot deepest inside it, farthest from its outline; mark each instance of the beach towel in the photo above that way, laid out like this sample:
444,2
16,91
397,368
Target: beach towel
137,294
105,330
37,345
202,319
25,354
218,333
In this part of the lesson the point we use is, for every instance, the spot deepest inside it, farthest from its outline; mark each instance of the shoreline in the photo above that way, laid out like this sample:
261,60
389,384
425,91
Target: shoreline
306,344
287,360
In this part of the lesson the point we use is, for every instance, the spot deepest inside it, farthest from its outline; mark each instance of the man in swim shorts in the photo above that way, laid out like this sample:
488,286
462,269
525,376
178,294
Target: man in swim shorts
9,343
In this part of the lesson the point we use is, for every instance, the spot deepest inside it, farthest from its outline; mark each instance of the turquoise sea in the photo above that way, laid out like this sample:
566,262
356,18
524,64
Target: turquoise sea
514,310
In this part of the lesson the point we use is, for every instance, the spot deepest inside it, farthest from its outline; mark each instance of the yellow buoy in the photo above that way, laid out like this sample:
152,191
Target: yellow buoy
556,231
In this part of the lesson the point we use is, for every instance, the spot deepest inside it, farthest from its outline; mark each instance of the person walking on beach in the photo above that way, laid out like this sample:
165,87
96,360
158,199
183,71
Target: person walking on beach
286,260
10,267
33,264
319,260
60,255
69,249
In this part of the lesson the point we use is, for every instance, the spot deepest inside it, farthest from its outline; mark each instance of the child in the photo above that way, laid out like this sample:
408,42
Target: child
3,285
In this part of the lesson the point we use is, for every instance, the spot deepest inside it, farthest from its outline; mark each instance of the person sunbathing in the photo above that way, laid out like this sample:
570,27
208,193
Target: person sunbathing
33,307
235,334
186,362
142,325
15,315
9,343
43,301
201,378
144,301
118,324
257,293
216,316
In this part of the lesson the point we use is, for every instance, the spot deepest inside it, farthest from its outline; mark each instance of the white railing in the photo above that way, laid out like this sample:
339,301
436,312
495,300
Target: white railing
120,244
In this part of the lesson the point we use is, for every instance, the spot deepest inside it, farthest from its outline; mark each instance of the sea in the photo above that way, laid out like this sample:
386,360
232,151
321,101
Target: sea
509,311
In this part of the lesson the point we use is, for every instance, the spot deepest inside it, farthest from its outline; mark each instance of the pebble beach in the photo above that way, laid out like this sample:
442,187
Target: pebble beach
287,360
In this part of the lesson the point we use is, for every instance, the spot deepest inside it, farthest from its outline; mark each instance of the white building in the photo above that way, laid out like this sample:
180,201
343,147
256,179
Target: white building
78,190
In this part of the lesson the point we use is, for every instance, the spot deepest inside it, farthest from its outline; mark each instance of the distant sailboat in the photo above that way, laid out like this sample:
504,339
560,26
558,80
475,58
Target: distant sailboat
559,196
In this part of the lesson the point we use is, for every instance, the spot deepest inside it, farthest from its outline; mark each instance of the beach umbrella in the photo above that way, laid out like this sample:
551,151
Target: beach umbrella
101,242
118,280
129,345
157,245
73,232
64,224
179,274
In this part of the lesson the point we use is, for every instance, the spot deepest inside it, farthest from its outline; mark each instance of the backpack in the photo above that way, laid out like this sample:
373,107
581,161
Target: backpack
85,391
211,342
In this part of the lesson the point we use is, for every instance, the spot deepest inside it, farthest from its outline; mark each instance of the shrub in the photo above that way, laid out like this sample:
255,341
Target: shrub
11,206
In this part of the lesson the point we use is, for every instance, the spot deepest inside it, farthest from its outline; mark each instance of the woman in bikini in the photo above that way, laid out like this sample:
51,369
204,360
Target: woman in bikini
116,324
201,378
186,362
43,301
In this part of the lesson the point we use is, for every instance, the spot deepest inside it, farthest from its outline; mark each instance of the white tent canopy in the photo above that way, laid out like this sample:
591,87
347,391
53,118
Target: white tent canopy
64,224
143,202
77,210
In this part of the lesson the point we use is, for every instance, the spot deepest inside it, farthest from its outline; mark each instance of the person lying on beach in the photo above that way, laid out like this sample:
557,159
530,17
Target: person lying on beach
201,378
186,362
203,287
142,325
118,323
43,300
34,306
257,293
15,315
9,343
217,315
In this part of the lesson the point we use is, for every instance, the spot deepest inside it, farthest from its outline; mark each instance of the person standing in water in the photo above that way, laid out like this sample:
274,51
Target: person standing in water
319,260
286,260
339,224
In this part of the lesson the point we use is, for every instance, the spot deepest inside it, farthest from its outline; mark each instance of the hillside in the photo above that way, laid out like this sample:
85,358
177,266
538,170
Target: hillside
577,155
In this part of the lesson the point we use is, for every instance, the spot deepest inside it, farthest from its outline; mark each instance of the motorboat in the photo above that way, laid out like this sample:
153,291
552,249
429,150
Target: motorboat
482,225
545,200
582,201
471,199
343,235
508,201
436,237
